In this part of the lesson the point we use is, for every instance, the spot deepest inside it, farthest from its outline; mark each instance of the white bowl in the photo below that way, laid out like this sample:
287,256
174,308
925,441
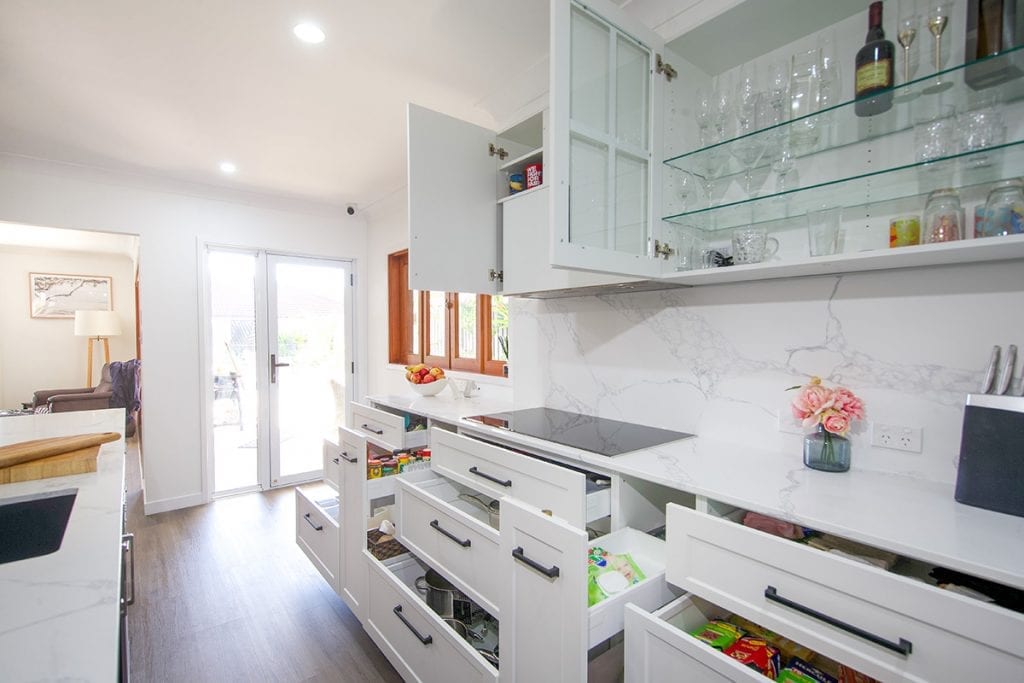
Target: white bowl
431,389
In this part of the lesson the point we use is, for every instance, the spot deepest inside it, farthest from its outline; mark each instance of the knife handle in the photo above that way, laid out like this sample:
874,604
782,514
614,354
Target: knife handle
990,374
1007,375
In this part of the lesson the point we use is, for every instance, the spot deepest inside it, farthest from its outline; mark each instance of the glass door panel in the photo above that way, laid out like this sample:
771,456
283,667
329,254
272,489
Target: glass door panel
590,64
632,99
588,192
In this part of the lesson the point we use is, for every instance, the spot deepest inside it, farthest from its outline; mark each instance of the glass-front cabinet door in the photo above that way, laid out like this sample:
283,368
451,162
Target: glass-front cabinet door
606,177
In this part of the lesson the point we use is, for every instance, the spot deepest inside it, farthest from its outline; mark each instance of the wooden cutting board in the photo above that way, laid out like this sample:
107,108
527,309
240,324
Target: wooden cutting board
52,457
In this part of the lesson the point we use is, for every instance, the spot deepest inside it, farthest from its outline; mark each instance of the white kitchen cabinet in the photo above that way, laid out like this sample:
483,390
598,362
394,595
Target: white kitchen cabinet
354,583
317,519
886,625
332,464
391,429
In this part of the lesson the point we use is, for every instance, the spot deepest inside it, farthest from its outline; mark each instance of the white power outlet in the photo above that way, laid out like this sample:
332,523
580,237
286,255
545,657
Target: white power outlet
896,437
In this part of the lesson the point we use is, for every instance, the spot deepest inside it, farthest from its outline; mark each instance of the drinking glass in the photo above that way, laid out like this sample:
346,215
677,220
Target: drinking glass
752,245
704,114
906,31
980,128
935,138
722,107
804,98
829,81
782,161
823,230
937,21
777,95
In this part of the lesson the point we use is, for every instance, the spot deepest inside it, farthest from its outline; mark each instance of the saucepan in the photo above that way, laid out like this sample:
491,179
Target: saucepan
493,509
444,598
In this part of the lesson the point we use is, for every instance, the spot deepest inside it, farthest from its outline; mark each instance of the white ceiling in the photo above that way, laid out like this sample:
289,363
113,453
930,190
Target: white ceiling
173,88
17,235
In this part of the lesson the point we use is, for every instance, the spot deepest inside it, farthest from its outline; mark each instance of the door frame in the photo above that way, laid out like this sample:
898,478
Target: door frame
205,402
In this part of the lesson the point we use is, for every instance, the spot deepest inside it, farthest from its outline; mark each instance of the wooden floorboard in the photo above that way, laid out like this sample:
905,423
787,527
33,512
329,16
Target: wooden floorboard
224,594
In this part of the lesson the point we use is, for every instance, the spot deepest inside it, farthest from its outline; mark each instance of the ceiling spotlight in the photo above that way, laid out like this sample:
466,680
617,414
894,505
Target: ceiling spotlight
309,33
227,167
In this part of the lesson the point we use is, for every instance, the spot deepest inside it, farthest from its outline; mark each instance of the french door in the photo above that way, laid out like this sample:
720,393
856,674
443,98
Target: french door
279,333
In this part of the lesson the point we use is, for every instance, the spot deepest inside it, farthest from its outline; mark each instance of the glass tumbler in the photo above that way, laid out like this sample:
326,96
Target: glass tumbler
942,217
1004,209
935,137
823,230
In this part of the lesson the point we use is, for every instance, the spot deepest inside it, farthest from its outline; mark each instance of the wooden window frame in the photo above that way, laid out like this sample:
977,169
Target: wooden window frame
400,331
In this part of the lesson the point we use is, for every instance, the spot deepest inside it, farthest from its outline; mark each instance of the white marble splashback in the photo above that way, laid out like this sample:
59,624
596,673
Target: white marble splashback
716,360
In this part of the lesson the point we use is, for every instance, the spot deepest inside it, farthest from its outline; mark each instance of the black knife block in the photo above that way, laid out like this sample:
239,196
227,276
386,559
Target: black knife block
991,470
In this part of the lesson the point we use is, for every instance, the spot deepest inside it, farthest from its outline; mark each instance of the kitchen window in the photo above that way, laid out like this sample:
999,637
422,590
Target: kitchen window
452,330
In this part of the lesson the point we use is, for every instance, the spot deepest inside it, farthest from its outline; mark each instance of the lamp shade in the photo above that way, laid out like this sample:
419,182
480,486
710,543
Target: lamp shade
97,324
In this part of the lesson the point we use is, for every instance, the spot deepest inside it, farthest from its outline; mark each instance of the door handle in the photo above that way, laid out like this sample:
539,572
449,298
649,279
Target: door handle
378,432
464,542
127,551
502,482
903,647
425,639
344,456
274,365
550,572
316,527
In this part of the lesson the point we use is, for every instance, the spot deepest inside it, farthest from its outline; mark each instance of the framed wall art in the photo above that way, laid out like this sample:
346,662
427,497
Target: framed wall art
52,295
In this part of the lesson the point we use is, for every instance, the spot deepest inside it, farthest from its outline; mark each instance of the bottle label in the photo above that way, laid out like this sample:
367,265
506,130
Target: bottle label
874,75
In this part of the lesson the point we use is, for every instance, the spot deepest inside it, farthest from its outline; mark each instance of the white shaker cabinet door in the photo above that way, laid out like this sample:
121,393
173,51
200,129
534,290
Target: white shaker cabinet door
544,602
354,572
453,211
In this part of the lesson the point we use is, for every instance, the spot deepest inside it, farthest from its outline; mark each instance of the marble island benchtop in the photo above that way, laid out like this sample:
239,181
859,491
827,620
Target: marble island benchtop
907,515
59,613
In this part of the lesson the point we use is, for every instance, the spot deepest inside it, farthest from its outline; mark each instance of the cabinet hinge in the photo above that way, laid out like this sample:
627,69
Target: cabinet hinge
498,275
496,151
663,67
663,249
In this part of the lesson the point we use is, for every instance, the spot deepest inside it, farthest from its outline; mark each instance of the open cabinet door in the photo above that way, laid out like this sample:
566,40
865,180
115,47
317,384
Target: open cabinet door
454,236
605,166
354,583
544,626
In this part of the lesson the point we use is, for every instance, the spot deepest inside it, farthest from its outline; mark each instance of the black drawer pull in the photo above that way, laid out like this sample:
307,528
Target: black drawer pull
903,647
464,543
344,454
337,461
312,523
370,429
550,572
501,482
426,640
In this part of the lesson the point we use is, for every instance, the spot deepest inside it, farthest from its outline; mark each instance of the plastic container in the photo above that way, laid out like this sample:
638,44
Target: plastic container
942,217
1004,209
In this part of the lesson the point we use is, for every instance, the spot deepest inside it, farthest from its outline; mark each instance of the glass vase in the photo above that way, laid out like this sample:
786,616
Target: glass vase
826,451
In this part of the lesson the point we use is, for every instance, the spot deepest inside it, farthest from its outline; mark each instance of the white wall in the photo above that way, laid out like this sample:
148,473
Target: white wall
171,220
43,353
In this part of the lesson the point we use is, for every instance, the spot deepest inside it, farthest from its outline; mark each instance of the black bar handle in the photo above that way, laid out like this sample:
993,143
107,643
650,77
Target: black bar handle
902,647
501,482
344,455
426,640
370,429
313,524
464,543
550,572
337,461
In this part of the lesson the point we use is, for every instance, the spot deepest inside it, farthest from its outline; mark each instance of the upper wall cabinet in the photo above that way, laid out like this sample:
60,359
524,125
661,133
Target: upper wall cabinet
606,86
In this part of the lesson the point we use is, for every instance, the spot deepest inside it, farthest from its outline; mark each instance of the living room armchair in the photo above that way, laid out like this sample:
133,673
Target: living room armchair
118,388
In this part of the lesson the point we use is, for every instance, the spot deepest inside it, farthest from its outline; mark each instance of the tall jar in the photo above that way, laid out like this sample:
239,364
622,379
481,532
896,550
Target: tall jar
942,217
1004,210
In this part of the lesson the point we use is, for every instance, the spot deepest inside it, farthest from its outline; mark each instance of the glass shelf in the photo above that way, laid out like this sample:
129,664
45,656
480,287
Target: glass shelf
958,171
838,126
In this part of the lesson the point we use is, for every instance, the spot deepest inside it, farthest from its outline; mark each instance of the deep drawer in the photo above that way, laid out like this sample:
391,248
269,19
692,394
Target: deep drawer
888,626
316,529
387,429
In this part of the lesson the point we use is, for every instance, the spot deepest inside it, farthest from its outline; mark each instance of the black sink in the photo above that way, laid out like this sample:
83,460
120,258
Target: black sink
34,525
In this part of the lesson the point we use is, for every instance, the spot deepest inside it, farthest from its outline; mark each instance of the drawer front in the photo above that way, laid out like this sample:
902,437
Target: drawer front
499,472
455,544
864,615
317,535
400,623
332,464
659,652
385,428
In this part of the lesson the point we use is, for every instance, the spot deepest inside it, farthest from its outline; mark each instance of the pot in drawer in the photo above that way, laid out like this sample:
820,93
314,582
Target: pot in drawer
888,626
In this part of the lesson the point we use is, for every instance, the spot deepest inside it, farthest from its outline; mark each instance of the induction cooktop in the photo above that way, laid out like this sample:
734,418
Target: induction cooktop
598,435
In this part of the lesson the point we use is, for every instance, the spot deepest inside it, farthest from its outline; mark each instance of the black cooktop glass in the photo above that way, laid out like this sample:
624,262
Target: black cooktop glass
595,434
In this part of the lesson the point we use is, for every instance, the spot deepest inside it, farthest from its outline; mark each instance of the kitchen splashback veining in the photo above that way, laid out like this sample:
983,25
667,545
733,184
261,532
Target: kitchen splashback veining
716,361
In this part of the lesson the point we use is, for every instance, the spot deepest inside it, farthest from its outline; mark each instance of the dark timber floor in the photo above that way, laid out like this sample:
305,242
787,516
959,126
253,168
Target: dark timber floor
224,594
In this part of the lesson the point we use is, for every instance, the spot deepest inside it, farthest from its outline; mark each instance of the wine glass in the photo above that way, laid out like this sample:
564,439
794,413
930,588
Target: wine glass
705,114
938,19
906,32
783,161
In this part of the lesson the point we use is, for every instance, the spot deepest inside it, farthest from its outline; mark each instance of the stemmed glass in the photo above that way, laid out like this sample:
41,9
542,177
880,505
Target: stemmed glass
938,19
906,32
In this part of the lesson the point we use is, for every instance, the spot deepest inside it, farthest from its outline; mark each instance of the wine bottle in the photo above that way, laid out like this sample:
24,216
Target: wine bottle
874,68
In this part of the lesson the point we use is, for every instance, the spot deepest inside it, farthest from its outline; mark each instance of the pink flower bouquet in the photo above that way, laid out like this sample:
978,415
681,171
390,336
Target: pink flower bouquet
833,409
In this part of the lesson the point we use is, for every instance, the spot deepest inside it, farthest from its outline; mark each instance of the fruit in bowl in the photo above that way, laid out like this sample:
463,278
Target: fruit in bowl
424,380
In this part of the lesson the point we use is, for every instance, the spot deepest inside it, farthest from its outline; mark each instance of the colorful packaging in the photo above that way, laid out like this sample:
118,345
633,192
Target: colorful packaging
791,676
904,231
848,675
718,634
533,176
609,573
515,182
811,673
756,654
786,647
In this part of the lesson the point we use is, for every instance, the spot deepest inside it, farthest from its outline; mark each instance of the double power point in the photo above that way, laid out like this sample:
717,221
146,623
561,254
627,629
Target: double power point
896,437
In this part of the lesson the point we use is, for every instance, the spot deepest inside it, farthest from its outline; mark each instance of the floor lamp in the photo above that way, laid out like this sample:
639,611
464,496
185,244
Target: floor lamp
97,325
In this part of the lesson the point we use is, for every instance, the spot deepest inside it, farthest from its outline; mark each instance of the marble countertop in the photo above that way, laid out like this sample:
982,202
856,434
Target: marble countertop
910,516
444,407
61,612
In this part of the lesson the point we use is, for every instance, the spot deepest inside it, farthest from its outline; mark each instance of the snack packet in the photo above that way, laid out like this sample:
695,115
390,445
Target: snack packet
718,634
757,654
812,673
786,647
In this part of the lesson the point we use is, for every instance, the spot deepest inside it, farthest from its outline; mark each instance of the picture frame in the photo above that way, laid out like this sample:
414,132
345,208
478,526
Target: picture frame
56,295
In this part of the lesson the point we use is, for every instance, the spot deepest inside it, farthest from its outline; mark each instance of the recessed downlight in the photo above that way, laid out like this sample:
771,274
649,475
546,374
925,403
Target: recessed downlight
228,167
309,33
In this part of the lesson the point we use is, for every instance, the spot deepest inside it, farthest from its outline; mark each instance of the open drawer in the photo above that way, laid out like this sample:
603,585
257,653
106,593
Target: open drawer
497,472
420,645
549,626
888,626
392,429
317,529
